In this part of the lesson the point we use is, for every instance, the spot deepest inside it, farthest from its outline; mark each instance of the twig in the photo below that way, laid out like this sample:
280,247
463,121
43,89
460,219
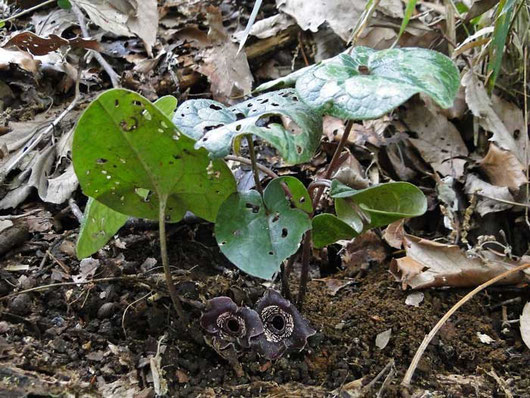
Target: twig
254,164
27,11
508,202
127,308
14,217
54,285
262,168
114,78
53,125
64,267
76,211
371,385
419,353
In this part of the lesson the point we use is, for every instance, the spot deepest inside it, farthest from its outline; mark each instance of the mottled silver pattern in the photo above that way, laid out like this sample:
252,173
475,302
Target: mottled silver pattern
273,334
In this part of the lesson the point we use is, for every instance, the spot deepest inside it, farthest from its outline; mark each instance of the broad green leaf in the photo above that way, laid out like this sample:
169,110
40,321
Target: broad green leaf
123,144
382,204
167,105
367,84
257,234
217,127
328,229
300,198
64,4
100,223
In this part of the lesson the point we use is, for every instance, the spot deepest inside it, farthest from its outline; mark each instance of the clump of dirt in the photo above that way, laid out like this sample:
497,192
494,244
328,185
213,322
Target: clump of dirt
102,336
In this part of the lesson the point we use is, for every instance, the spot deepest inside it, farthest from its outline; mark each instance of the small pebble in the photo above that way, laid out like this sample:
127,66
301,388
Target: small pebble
106,310
21,304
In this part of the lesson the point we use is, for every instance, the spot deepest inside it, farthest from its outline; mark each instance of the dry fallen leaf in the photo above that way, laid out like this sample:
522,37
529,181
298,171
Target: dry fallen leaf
350,172
439,142
503,168
482,108
524,324
487,203
432,264
414,299
382,339
21,58
394,233
37,45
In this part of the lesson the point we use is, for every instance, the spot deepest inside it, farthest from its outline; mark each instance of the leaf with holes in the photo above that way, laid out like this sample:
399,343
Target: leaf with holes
99,224
380,205
279,118
257,234
366,84
328,229
123,144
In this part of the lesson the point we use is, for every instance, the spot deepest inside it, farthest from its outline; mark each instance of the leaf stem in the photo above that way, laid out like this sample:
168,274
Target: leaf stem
254,164
26,11
165,263
307,244
262,168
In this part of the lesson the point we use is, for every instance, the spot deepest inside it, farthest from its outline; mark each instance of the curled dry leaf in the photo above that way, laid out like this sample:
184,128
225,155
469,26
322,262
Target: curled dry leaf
37,45
267,27
503,168
394,234
488,203
433,264
20,58
350,172
482,108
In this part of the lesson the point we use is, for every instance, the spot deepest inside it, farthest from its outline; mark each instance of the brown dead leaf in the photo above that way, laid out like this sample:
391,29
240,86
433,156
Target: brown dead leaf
21,58
334,285
37,45
227,70
524,323
439,142
363,251
503,168
350,172
482,108
433,264
488,193
394,234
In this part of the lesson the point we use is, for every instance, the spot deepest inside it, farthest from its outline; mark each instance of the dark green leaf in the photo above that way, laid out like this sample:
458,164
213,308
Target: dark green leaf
367,84
123,143
328,229
300,198
167,105
64,4
99,224
381,204
216,126
257,234
502,27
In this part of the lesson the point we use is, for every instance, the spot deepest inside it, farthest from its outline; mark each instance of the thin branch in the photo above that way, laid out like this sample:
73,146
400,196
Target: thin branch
254,164
262,168
304,276
114,78
27,11
410,371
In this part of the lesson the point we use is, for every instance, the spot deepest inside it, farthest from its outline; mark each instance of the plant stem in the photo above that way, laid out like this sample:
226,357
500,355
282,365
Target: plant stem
307,244
262,168
254,164
421,349
334,160
286,271
165,263
27,11
304,276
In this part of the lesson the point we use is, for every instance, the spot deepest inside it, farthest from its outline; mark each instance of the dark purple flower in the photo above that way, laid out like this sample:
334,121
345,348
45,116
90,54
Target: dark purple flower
226,323
283,327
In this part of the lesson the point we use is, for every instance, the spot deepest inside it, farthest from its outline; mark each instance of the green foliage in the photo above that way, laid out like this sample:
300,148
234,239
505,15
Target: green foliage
502,27
216,127
328,229
99,224
382,204
64,4
167,105
366,84
258,233
123,143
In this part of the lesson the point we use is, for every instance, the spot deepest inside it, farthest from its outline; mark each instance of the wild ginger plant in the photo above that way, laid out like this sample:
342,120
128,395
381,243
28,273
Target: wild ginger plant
133,159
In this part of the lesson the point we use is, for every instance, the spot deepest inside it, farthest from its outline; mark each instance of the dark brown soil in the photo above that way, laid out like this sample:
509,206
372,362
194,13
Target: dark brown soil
78,339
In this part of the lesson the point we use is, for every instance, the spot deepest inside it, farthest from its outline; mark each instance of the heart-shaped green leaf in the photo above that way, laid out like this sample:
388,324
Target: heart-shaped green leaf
123,144
328,229
381,204
277,117
366,84
99,224
167,105
257,234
